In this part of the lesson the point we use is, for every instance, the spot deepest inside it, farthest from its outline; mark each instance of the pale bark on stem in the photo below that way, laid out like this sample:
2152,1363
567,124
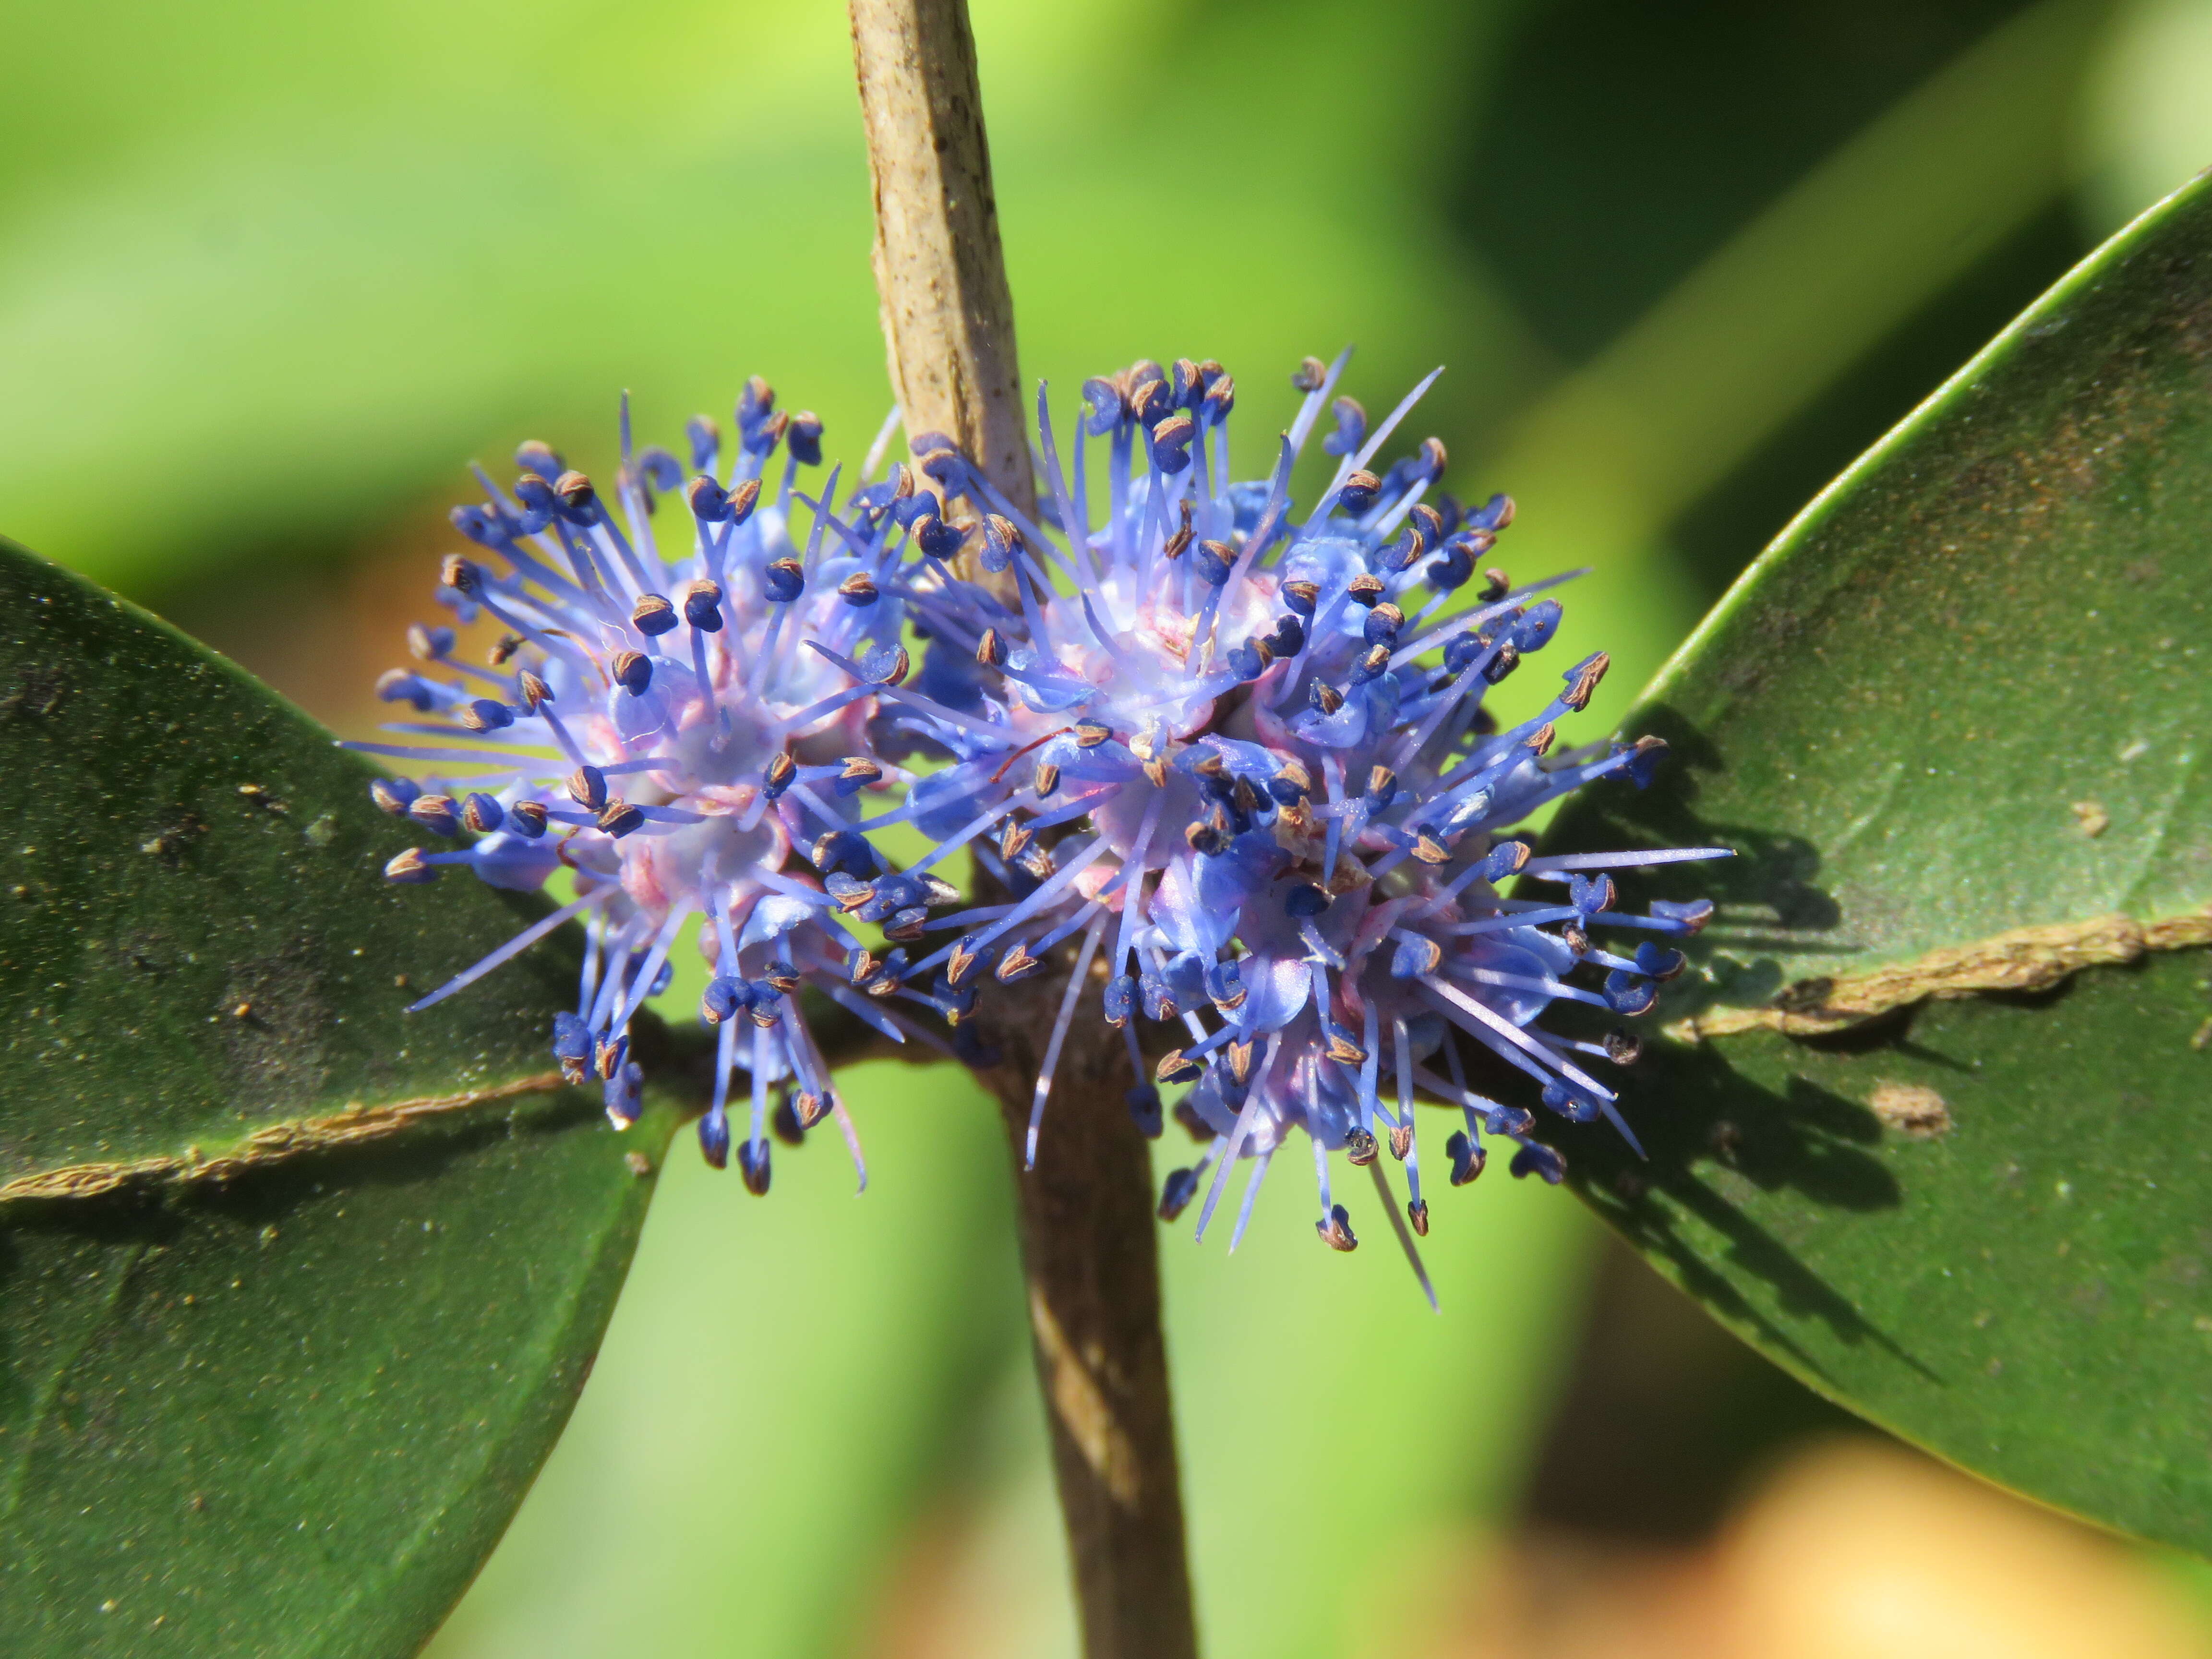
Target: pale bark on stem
1089,1247
948,319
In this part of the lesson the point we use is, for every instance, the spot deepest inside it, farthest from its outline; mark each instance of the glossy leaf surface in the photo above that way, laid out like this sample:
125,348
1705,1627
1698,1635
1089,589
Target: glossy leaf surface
1963,694
295,1290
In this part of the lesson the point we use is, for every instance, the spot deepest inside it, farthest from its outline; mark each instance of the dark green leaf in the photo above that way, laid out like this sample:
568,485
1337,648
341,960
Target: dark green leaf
1966,693
295,1291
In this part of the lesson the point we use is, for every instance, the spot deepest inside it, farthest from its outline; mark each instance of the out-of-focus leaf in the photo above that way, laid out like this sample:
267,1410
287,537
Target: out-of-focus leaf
1965,696
294,1291
779,1390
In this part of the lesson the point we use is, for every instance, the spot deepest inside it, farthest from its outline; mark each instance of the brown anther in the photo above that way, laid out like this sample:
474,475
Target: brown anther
858,587
1574,939
535,692
959,965
1156,769
1430,850
742,499
1432,955
991,650
1497,585
1434,457
1365,588
503,649
1294,773
1309,593
1345,1051
619,818
1578,695
1240,1062
1177,1067
864,967
1361,478
1417,1211
1326,698
900,666
1016,963
1401,1140
857,898
907,932
1014,839
1540,740
1382,781
1393,618
811,1108
1507,660
1336,1232
1247,798
1427,522
574,489
1359,1147
780,771
860,767
1309,375
1047,779
1089,734
589,790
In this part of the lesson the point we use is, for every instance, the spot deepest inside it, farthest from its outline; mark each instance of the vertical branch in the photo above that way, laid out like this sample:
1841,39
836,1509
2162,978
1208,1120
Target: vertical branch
1089,1246
948,319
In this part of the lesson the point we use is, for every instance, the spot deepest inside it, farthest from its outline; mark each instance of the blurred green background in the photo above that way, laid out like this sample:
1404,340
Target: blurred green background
269,273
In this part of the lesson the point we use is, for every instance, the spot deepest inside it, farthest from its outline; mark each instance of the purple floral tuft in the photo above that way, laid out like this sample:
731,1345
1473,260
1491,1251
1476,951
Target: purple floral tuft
1246,754
667,725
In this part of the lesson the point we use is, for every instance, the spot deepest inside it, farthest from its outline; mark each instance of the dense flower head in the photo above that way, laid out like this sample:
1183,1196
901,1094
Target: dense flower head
668,723
1241,752
1245,753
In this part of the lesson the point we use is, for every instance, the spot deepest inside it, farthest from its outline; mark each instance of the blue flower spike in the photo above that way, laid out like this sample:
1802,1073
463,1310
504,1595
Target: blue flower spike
1243,754
658,719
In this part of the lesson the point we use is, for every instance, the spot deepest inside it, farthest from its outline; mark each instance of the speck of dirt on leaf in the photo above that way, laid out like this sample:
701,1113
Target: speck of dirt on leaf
639,1163
1916,1113
322,832
2090,818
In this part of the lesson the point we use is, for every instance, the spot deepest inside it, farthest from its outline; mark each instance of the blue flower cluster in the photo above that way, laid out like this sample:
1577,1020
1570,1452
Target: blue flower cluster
1240,753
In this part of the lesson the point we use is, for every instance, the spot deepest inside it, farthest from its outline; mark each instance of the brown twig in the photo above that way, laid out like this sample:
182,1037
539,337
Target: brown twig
1089,1248
948,320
